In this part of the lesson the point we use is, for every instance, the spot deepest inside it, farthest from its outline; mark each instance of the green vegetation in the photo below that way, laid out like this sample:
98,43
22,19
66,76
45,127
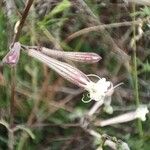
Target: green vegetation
47,111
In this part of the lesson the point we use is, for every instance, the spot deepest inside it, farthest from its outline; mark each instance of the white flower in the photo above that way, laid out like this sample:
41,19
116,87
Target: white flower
141,112
99,90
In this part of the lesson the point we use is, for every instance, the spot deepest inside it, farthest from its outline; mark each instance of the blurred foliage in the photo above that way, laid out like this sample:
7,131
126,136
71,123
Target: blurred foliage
3,35
47,107
144,12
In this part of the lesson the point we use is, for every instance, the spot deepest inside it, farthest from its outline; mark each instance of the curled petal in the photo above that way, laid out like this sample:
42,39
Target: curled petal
100,89
140,113
67,71
74,56
13,55
85,101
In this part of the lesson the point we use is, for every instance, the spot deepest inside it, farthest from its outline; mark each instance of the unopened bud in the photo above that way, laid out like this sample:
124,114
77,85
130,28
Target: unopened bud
12,57
84,57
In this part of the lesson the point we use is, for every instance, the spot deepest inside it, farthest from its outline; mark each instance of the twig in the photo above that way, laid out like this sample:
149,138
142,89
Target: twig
13,78
100,27
22,21
16,37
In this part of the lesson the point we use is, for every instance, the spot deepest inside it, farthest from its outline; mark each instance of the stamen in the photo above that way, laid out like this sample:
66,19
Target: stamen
85,101
93,75
118,85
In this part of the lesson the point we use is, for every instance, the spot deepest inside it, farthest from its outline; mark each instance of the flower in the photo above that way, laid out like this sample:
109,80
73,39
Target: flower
98,91
12,57
141,112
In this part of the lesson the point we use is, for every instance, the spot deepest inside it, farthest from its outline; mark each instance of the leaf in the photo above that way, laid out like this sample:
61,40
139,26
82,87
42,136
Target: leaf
4,123
21,127
61,7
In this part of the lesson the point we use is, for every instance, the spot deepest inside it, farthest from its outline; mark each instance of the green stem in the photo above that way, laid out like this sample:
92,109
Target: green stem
22,141
135,77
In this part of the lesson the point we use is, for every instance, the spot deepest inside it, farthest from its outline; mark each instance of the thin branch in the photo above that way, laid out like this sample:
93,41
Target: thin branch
13,71
22,21
16,37
100,27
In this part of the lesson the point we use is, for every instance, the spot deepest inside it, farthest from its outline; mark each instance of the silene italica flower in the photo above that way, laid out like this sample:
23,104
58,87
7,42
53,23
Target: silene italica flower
139,113
97,91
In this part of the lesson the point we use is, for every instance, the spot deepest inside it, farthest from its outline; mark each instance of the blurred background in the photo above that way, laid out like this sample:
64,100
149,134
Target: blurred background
50,107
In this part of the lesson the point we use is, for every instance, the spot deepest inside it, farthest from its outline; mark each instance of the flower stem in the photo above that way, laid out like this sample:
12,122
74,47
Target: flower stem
11,140
13,82
135,76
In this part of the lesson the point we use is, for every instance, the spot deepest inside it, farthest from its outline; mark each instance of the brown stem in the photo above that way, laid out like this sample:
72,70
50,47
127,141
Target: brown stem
103,26
16,37
12,102
13,70
22,21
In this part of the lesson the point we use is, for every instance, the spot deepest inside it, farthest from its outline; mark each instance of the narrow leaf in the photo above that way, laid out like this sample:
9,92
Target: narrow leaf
21,127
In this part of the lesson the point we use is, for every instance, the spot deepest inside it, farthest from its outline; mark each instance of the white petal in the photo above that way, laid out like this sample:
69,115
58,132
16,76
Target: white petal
141,112
98,91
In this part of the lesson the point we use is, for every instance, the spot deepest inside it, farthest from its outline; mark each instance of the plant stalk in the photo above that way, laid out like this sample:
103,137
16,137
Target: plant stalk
13,74
135,76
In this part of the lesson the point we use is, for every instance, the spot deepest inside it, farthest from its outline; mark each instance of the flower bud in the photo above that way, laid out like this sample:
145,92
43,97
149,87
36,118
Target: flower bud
74,56
12,57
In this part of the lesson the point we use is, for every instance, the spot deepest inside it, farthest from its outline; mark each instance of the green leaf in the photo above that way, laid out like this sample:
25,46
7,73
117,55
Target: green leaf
61,7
